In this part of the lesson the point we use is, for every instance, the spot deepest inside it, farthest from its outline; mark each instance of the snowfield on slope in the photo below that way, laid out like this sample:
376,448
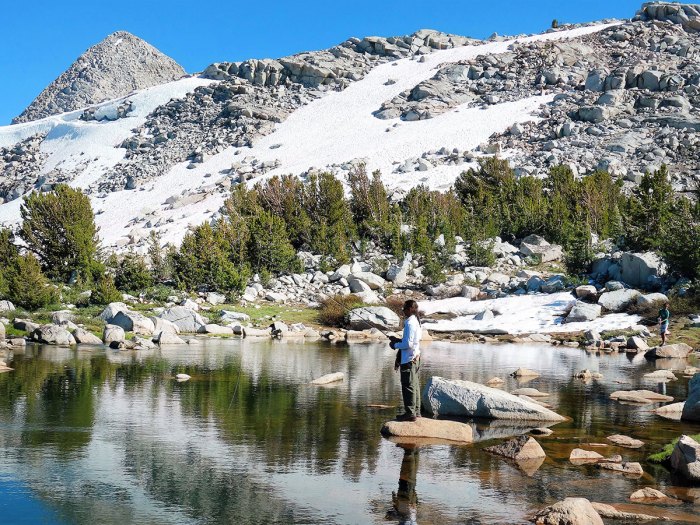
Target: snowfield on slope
334,129
525,314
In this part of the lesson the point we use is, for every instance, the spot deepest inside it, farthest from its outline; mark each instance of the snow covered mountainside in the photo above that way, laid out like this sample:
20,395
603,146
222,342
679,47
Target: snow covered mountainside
617,95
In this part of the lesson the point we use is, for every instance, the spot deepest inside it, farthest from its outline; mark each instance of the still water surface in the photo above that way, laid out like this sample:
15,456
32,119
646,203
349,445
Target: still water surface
104,437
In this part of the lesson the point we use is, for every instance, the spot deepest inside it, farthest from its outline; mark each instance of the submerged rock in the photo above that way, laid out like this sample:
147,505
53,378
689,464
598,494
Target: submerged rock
609,512
424,427
625,441
329,378
464,398
520,448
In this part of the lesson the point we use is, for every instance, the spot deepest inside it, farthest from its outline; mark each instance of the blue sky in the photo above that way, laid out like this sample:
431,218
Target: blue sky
41,38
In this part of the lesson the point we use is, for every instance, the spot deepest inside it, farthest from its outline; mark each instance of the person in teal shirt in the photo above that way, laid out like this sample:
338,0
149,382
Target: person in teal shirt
664,316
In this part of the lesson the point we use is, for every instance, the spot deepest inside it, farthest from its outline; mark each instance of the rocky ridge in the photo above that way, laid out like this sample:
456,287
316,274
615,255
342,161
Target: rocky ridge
114,67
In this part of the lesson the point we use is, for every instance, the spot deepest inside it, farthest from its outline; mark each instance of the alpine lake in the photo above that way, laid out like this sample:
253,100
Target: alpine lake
108,437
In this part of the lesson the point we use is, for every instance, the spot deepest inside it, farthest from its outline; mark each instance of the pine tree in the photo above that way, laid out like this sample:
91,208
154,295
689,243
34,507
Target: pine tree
26,284
59,228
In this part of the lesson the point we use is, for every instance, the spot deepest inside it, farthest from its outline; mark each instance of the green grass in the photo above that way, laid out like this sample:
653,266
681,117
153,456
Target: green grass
267,313
665,453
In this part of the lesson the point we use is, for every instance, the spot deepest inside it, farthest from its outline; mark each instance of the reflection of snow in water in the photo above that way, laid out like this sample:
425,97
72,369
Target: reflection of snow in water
539,313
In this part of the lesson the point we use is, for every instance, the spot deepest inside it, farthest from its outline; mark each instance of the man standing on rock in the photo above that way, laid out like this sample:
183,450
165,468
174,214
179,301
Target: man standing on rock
664,317
408,361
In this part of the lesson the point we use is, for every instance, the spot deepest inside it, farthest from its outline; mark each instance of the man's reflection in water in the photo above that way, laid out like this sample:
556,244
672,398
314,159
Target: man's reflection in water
405,499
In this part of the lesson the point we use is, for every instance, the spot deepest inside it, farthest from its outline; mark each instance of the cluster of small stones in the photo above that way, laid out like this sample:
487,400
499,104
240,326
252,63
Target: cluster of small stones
20,166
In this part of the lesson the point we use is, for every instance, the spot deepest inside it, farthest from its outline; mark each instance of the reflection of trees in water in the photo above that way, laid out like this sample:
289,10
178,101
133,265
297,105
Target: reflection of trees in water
200,488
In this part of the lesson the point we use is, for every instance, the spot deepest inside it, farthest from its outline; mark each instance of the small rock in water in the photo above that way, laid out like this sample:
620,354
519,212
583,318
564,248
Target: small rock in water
494,381
578,455
182,377
661,376
639,396
609,512
541,431
525,372
522,447
329,378
571,511
427,428
648,493
625,441
629,468
529,392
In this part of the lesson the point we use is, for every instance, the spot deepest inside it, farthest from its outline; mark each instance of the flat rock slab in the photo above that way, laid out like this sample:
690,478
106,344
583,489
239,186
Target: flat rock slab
529,392
611,513
424,427
640,396
629,468
625,441
677,350
329,378
648,493
525,372
660,376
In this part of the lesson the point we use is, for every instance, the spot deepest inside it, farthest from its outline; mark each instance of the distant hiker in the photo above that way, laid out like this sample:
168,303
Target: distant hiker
408,361
664,316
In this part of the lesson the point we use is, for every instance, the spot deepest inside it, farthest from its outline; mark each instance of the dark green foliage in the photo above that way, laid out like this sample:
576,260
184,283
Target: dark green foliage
648,211
331,220
680,242
104,291
370,206
555,23
579,252
59,228
204,261
160,258
131,273
269,247
8,252
26,284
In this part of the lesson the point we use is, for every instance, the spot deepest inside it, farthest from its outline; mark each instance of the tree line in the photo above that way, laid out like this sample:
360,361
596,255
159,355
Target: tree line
261,228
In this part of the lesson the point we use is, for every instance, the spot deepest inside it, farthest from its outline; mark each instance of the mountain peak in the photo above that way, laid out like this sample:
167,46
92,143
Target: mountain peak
112,68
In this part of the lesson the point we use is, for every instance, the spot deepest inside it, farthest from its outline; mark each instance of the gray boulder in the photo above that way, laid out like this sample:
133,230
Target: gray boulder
113,334
685,458
443,397
83,337
51,334
674,351
6,306
163,325
652,299
587,290
62,317
619,300
111,310
636,269
583,312
536,246
637,343
374,281
186,320
215,298
398,273
373,317
133,322
691,409
228,317
168,338
486,315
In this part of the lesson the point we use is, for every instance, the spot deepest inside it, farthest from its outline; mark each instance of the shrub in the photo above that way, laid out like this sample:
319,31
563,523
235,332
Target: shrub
59,228
104,291
269,247
664,454
131,273
334,309
555,23
26,284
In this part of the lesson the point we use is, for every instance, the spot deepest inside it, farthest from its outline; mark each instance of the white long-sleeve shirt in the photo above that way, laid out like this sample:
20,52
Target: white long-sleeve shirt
410,344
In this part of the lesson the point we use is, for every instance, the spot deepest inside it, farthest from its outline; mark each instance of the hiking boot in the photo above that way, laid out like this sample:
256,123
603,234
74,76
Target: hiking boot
406,417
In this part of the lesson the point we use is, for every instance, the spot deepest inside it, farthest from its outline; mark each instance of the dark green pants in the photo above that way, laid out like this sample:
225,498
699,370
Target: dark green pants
410,388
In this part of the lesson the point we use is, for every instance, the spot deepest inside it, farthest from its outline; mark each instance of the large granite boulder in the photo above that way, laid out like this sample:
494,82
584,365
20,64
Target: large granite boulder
583,312
113,334
373,317
463,398
619,300
83,337
111,310
186,320
652,299
374,281
133,322
691,409
51,334
571,511
538,247
674,351
685,458
427,428
639,269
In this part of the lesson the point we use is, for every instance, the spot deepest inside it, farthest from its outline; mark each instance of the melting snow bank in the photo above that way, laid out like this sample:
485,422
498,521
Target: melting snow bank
525,314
